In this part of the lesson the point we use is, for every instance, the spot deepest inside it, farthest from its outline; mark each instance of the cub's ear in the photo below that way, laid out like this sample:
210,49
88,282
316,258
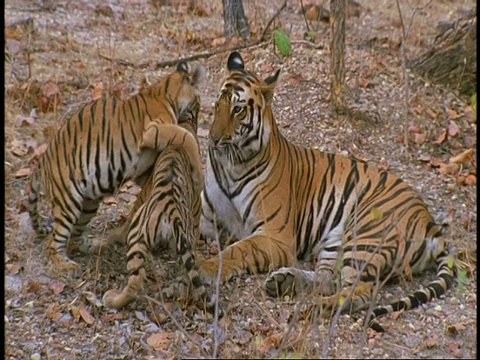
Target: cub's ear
235,62
269,86
182,67
199,75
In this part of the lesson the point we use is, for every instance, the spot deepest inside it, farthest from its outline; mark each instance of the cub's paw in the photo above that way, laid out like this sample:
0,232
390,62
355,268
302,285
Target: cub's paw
63,264
118,236
87,245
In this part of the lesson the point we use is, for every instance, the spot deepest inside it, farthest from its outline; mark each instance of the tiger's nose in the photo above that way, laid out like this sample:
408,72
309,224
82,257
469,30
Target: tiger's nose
214,139
219,140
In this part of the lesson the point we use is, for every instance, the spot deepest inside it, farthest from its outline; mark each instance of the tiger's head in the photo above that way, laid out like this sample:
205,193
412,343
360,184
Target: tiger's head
180,91
243,121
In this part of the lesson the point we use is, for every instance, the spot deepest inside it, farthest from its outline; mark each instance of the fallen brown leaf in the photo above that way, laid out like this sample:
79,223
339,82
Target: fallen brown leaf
453,114
419,138
18,148
396,314
463,157
201,11
453,130
435,162
110,200
85,314
113,317
25,172
471,180
441,138
53,312
160,341
454,348
448,169
424,158
14,268
429,343
50,89
22,120
34,287
270,342
456,328
57,286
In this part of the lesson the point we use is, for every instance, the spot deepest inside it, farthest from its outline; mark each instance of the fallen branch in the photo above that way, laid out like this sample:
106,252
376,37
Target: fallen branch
162,64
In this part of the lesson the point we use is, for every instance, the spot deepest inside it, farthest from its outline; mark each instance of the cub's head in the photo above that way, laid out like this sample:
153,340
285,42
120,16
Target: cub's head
243,121
180,90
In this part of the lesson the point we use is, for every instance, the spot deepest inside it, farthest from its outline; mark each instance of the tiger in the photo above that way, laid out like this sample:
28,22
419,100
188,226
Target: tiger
188,121
165,214
98,148
281,202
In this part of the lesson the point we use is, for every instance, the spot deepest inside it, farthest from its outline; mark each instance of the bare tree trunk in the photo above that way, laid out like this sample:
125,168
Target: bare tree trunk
452,59
338,87
235,21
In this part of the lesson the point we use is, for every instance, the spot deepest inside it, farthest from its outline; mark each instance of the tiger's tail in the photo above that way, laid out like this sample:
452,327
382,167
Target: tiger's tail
438,287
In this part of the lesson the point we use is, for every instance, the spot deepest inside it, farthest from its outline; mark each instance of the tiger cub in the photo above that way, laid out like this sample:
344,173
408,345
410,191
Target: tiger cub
98,149
166,214
284,202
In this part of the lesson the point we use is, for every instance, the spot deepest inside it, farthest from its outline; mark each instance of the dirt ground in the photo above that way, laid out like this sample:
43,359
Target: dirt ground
73,51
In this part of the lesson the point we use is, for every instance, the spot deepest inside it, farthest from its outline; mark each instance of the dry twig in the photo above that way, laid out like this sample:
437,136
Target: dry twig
206,55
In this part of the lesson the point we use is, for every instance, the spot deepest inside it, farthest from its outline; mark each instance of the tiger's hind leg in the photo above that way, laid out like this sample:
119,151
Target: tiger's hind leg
33,190
137,250
58,241
78,239
293,281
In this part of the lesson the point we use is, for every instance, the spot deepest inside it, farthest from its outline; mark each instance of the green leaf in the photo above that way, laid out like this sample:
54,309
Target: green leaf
282,41
451,262
462,279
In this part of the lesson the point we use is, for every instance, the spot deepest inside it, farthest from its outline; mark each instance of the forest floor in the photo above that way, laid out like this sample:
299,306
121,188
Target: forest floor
74,51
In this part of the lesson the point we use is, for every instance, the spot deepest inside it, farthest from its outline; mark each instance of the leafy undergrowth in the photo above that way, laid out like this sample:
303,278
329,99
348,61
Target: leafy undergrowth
73,52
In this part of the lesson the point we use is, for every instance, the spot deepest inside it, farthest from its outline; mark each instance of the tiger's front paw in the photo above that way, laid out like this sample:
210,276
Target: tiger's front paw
209,269
281,282
289,281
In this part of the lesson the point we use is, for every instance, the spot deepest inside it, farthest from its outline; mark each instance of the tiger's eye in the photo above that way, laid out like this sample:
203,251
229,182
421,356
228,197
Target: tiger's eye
237,109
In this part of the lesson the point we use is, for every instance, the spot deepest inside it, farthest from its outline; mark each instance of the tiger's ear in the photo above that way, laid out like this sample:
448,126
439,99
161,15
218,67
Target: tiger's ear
199,75
235,62
269,87
182,67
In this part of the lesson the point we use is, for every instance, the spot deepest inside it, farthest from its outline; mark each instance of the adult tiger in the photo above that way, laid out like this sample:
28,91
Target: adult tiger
98,149
166,214
285,202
